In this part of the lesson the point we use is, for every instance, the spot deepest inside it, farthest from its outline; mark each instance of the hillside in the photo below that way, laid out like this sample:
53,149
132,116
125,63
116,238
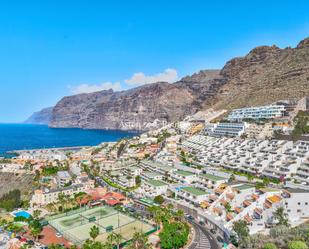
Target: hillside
264,75
40,117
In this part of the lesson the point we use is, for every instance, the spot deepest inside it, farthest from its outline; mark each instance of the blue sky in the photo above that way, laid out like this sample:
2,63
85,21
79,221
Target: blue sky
50,49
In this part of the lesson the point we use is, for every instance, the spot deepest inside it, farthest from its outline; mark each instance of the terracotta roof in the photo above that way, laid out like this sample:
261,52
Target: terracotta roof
246,203
248,218
258,210
274,199
237,209
255,196
229,216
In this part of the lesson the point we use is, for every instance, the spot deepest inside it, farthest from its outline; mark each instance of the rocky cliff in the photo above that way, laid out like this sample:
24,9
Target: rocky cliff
264,75
40,117
137,109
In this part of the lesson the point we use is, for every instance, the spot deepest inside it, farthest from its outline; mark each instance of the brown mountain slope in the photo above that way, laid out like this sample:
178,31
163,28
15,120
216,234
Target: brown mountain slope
263,76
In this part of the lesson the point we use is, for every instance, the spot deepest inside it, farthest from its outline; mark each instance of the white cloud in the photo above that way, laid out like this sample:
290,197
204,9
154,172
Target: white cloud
90,88
169,75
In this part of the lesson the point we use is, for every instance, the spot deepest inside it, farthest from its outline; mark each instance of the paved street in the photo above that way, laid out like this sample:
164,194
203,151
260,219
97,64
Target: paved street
202,240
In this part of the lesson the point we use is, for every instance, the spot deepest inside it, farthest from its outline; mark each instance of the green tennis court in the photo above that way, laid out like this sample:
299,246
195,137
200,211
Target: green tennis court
76,226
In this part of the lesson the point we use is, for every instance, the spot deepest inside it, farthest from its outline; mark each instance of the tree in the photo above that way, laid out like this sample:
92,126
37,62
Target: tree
11,200
138,180
35,232
179,231
232,178
36,213
94,232
159,199
114,239
281,216
269,246
297,245
139,241
240,227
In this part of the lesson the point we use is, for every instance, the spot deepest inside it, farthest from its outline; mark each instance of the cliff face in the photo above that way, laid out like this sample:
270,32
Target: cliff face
40,117
137,109
265,75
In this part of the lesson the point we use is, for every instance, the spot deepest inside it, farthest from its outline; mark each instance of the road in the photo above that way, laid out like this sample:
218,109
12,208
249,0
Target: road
203,239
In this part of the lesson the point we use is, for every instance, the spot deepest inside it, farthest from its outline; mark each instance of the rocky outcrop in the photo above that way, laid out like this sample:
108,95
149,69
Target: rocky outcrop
40,117
265,75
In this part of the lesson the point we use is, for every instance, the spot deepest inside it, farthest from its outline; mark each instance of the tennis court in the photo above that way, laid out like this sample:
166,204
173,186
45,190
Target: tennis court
75,226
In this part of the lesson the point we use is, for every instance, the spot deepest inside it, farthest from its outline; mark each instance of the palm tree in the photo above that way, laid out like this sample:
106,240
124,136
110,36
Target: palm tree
61,199
94,232
114,238
36,213
139,241
35,232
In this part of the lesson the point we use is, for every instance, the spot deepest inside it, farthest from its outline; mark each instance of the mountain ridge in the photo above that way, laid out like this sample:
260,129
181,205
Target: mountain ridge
266,74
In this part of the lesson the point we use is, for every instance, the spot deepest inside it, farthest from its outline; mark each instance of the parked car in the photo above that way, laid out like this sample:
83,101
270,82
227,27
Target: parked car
58,235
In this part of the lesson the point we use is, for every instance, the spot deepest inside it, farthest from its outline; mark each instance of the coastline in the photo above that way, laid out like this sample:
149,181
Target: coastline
16,137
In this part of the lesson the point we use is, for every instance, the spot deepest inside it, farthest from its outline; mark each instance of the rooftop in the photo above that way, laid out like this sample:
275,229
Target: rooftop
184,173
243,186
212,177
194,191
156,183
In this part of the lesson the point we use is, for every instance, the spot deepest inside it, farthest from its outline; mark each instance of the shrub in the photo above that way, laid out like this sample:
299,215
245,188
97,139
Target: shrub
270,246
297,245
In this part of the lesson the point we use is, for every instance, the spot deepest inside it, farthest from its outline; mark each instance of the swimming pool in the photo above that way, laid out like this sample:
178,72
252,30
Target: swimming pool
22,214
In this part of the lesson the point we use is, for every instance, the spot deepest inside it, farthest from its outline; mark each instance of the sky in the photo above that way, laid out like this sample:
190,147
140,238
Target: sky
51,49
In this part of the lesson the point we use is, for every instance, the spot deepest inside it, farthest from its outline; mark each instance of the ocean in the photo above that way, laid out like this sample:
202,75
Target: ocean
28,136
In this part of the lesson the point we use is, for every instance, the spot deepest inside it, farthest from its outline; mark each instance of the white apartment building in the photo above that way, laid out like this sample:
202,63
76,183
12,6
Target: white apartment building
209,181
184,176
192,195
63,178
46,196
258,112
226,129
152,188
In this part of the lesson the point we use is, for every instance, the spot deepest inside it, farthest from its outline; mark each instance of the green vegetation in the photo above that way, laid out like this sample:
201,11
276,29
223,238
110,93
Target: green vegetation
301,127
270,246
179,231
281,216
163,136
240,227
114,240
158,199
94,232
174,226
281,236
50,170
297,245
11,200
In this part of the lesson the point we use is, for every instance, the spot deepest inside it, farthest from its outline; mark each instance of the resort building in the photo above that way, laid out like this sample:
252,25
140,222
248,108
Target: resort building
152,188
192,195
226,129
184,176
258,112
